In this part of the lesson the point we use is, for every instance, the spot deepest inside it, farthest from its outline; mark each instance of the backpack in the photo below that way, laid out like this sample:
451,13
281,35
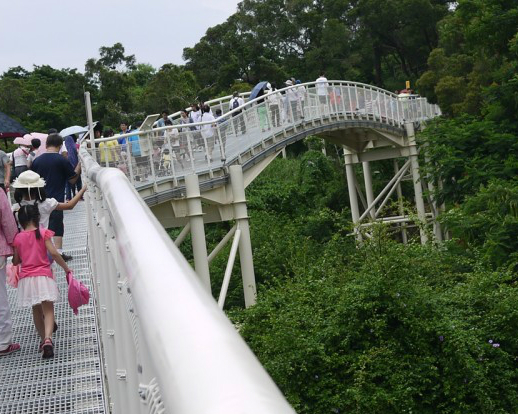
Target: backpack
235,104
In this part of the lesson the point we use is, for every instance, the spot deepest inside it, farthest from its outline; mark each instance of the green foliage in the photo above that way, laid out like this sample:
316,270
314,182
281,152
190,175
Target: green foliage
43,98
172,88
391,329
488,221
474,70
466,153
381,42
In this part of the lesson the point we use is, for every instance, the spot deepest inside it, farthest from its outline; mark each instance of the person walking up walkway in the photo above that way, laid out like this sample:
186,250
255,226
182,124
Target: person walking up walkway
56,171
37,287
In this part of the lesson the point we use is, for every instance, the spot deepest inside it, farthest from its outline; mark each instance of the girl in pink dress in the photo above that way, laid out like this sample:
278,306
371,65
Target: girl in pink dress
37,286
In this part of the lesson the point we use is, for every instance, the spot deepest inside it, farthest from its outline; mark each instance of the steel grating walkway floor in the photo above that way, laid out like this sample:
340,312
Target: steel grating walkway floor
72,382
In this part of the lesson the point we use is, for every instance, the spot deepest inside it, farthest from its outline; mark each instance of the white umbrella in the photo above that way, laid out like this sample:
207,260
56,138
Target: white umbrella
76,129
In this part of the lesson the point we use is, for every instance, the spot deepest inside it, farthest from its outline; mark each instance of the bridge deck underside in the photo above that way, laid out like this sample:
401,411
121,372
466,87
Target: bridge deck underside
72,381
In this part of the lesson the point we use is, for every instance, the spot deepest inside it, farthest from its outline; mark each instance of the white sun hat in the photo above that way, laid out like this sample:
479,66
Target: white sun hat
29,179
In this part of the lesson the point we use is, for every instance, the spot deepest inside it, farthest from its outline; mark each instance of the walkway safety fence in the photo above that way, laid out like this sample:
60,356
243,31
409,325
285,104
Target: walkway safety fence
166,346
170,153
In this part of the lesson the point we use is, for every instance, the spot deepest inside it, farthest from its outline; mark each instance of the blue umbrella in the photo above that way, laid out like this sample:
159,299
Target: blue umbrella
258,90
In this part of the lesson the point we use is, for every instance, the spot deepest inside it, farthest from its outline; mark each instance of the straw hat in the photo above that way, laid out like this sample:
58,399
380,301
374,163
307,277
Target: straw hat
29,179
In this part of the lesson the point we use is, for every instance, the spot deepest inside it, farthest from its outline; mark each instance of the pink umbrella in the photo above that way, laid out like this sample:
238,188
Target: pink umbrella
25,140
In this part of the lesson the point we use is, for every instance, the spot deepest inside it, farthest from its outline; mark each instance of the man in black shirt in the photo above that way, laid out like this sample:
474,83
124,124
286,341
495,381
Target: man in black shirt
56,171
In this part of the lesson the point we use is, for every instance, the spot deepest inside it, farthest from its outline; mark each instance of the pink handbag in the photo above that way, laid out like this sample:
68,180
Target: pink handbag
13,274
78,293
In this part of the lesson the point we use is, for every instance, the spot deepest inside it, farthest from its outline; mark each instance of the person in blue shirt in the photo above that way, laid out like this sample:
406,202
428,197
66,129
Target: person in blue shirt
162,121
56,171
124,130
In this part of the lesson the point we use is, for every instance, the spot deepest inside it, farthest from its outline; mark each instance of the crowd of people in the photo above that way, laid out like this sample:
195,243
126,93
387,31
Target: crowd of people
175,143
31,230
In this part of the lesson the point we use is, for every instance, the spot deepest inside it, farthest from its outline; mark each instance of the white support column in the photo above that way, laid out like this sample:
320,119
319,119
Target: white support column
353,197
245,244
199,247
416,178
368,185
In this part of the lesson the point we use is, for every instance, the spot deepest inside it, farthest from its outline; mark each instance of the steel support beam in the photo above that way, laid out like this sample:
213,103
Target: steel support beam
245,244
401,207
353,197
416,178
199,246
367,176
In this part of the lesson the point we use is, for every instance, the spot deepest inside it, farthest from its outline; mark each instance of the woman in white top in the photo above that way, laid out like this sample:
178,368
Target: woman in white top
29,189
19,158
207,130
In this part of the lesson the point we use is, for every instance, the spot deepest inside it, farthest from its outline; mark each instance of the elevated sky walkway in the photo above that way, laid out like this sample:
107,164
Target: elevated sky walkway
357,116
153,339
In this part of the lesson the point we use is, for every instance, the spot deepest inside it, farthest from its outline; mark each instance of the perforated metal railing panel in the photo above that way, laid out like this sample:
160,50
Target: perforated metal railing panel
72,381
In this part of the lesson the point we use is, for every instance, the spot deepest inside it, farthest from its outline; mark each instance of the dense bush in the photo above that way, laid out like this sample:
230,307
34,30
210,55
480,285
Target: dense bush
466,153
488,222
389,329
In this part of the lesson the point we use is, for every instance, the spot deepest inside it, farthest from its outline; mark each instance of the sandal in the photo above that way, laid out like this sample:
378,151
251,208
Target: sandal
48,349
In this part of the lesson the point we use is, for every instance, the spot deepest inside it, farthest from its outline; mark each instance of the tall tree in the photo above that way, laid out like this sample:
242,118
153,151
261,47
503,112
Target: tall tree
474,68
111,74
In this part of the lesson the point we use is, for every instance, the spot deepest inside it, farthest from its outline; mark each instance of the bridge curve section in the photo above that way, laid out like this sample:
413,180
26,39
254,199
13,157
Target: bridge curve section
351,114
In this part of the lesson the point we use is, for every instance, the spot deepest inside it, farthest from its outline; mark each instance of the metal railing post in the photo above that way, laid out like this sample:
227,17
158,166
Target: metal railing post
129,161
88,106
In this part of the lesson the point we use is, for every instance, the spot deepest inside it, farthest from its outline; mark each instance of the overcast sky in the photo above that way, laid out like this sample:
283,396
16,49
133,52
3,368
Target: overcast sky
65,33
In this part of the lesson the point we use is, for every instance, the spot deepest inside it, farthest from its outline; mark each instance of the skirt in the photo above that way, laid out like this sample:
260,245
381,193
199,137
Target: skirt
36,289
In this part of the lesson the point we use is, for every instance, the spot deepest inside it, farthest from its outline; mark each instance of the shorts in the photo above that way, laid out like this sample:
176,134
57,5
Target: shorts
56,223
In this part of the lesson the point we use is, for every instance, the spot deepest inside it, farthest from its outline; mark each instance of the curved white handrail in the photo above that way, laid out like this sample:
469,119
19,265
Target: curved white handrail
249,104
201,362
